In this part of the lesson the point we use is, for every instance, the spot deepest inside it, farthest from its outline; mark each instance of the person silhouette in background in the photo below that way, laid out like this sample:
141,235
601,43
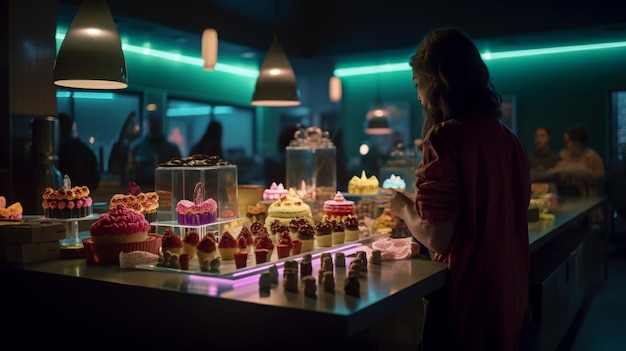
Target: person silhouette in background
580,173
76,159
147,152
211,142
543,157
118,160
275,166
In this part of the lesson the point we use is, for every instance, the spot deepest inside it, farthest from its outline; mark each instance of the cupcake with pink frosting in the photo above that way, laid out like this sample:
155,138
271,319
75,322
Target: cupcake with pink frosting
120,225
197,212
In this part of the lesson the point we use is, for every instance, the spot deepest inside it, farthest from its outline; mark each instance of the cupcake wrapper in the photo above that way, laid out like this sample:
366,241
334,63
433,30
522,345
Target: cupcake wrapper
150,217
197,219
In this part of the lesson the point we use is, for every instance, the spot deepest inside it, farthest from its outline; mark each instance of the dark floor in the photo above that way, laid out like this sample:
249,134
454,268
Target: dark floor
601,324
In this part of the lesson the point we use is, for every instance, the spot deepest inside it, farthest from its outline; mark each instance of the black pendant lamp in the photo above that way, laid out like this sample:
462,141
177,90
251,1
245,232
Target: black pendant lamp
91,55
377,120
276,84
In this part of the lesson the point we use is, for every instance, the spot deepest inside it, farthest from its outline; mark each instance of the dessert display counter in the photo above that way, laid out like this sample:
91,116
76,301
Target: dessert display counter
71,300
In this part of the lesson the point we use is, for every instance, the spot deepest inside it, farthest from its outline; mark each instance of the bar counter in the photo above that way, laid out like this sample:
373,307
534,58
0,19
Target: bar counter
76,300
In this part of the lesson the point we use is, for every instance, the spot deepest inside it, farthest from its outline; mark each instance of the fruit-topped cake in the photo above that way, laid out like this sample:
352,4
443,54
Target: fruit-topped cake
256,228
306,234
67,202
227,246
171,242
294,225
263,241
246,234
277,228
363,185
207,248
339,234
145,203
323,232
275,192
338,207
190,243
351,224
14,211
197,212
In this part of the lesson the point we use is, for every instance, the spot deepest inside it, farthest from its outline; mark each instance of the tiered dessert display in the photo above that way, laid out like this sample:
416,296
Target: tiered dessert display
69,204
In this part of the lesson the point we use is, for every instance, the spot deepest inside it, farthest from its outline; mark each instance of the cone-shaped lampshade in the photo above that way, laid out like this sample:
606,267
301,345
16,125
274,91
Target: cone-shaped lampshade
209,48
276,85
91,54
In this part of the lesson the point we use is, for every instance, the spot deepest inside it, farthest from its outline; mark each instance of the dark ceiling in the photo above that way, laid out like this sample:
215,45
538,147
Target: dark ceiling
326,28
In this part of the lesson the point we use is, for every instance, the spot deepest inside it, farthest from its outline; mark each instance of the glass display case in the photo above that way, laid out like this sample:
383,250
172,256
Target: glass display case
312,167
173,184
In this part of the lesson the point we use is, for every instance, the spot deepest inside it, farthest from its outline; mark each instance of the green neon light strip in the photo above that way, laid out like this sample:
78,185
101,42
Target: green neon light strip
404,66
221,67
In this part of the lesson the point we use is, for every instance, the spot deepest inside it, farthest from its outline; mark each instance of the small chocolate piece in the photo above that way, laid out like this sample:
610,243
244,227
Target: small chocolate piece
340,259
306,268
327,263
274,273
309,286
324,255
328,281
376,257
265,280
352,286
290,280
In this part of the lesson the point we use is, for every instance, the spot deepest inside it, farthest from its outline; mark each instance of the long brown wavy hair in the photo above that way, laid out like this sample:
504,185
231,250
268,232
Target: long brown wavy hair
458,80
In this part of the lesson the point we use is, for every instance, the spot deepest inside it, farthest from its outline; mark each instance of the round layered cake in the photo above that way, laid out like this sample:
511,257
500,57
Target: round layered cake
287,208
67,202
394,182
338,207
363,185
275,192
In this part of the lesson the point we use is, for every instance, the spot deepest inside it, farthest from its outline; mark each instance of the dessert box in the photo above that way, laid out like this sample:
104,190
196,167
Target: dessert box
22,242
178,183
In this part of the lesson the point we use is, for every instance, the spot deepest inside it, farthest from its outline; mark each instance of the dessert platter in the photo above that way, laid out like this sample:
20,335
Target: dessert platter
289,232
252,262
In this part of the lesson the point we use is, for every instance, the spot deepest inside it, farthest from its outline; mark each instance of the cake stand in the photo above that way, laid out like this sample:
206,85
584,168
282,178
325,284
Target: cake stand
71,229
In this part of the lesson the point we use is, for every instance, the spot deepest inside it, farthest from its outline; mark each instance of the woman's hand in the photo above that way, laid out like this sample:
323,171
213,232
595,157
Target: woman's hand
401,204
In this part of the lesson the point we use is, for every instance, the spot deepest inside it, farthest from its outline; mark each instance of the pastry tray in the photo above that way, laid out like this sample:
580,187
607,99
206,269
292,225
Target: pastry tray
227,269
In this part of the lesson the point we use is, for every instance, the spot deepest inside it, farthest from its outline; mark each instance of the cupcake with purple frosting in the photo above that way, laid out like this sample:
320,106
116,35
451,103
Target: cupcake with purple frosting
197,212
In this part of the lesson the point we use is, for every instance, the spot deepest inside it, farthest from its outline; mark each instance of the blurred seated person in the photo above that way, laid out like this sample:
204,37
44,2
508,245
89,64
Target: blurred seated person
275,166
543,157
147,152
580,173
76,159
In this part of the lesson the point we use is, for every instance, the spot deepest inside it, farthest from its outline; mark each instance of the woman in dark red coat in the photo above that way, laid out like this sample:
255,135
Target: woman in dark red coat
471,200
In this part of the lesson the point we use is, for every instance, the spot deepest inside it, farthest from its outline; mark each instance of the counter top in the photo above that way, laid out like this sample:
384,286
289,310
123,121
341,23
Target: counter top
568,213
385,289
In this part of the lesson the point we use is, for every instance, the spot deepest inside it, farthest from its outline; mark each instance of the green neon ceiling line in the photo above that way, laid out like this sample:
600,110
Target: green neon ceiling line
221,67
487,56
